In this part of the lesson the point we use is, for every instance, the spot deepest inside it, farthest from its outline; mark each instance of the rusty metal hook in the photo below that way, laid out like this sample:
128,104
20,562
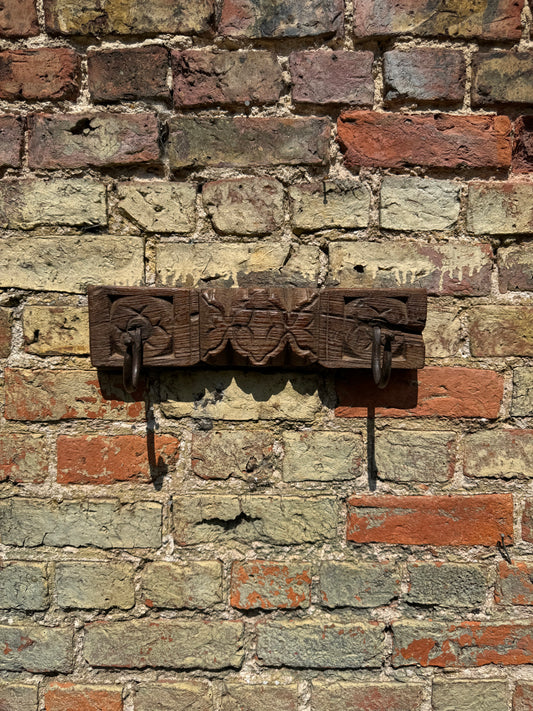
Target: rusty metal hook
132,359
381,370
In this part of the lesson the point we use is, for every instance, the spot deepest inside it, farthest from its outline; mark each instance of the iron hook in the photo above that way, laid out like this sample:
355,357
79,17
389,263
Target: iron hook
381,370
132,359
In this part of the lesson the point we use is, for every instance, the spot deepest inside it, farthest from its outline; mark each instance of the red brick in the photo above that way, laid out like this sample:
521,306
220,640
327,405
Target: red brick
501,330
203,77
523,697
515,583
92,139
515,266
424,75
121,74
71,697
430,392
268,585
5,333
338,77
466,644
11,133
105,460
48,395
18,18
23,458
45,73
332,696
527,521
369,138
523,145
435,520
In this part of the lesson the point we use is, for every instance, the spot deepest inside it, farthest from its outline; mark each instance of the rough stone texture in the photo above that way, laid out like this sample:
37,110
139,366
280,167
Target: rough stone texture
24,204
5,332
527,521
247,142
515,267
424,75
240,396
500,208
501,330
515,583
18,697
523,145
35,648
409,203
165,696
434,520
322,456
39,74
159,207
186,644
56,330
333,695
71,263
18,18
447,584
523,697
92,140
522,404
100,523
389,140
244,206
499,20
320,644
407,455
502,77
23,457
359,584
67,697
452,268
120,74
317,206
443,332
470,695
462,645
94,585
238,697
191,585
220,454
499,454
23,586
280,520
267,585
128,17
205,77
257,19
338,77
11,136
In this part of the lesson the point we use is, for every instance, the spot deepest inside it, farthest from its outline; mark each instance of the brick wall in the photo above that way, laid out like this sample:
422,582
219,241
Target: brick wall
227,541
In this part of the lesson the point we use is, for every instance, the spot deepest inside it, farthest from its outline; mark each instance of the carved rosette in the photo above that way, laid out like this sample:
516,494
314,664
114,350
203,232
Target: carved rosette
153,315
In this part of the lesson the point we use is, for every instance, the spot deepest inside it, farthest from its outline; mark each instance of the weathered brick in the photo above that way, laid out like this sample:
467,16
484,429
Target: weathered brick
339,77
96,140
67,697
40,74
465,644
447,584
204,77
390,140
500,208
451,268
424,75
102,459
24,204
409,203
18,18
523,697
358,585
243,142
120,74
268,585
432,392
515,583
515,267
499,453
522,404
192,695
501,330
159,207
297,18
23,457
100,523
191,585
244,206
35,648
322,456
527,521
240,396
523,145
333,695
128,17
280,520
220,454
499,20
94,585
502,78
48,395
470,695
260,697
11,136
320,644
185,644
56,330
70,262
435,520
23,586
342,203
407,455
443,331
18,697
5,332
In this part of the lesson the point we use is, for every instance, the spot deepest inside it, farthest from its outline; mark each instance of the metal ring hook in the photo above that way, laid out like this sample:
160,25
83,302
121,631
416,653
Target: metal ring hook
381,371
132,359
